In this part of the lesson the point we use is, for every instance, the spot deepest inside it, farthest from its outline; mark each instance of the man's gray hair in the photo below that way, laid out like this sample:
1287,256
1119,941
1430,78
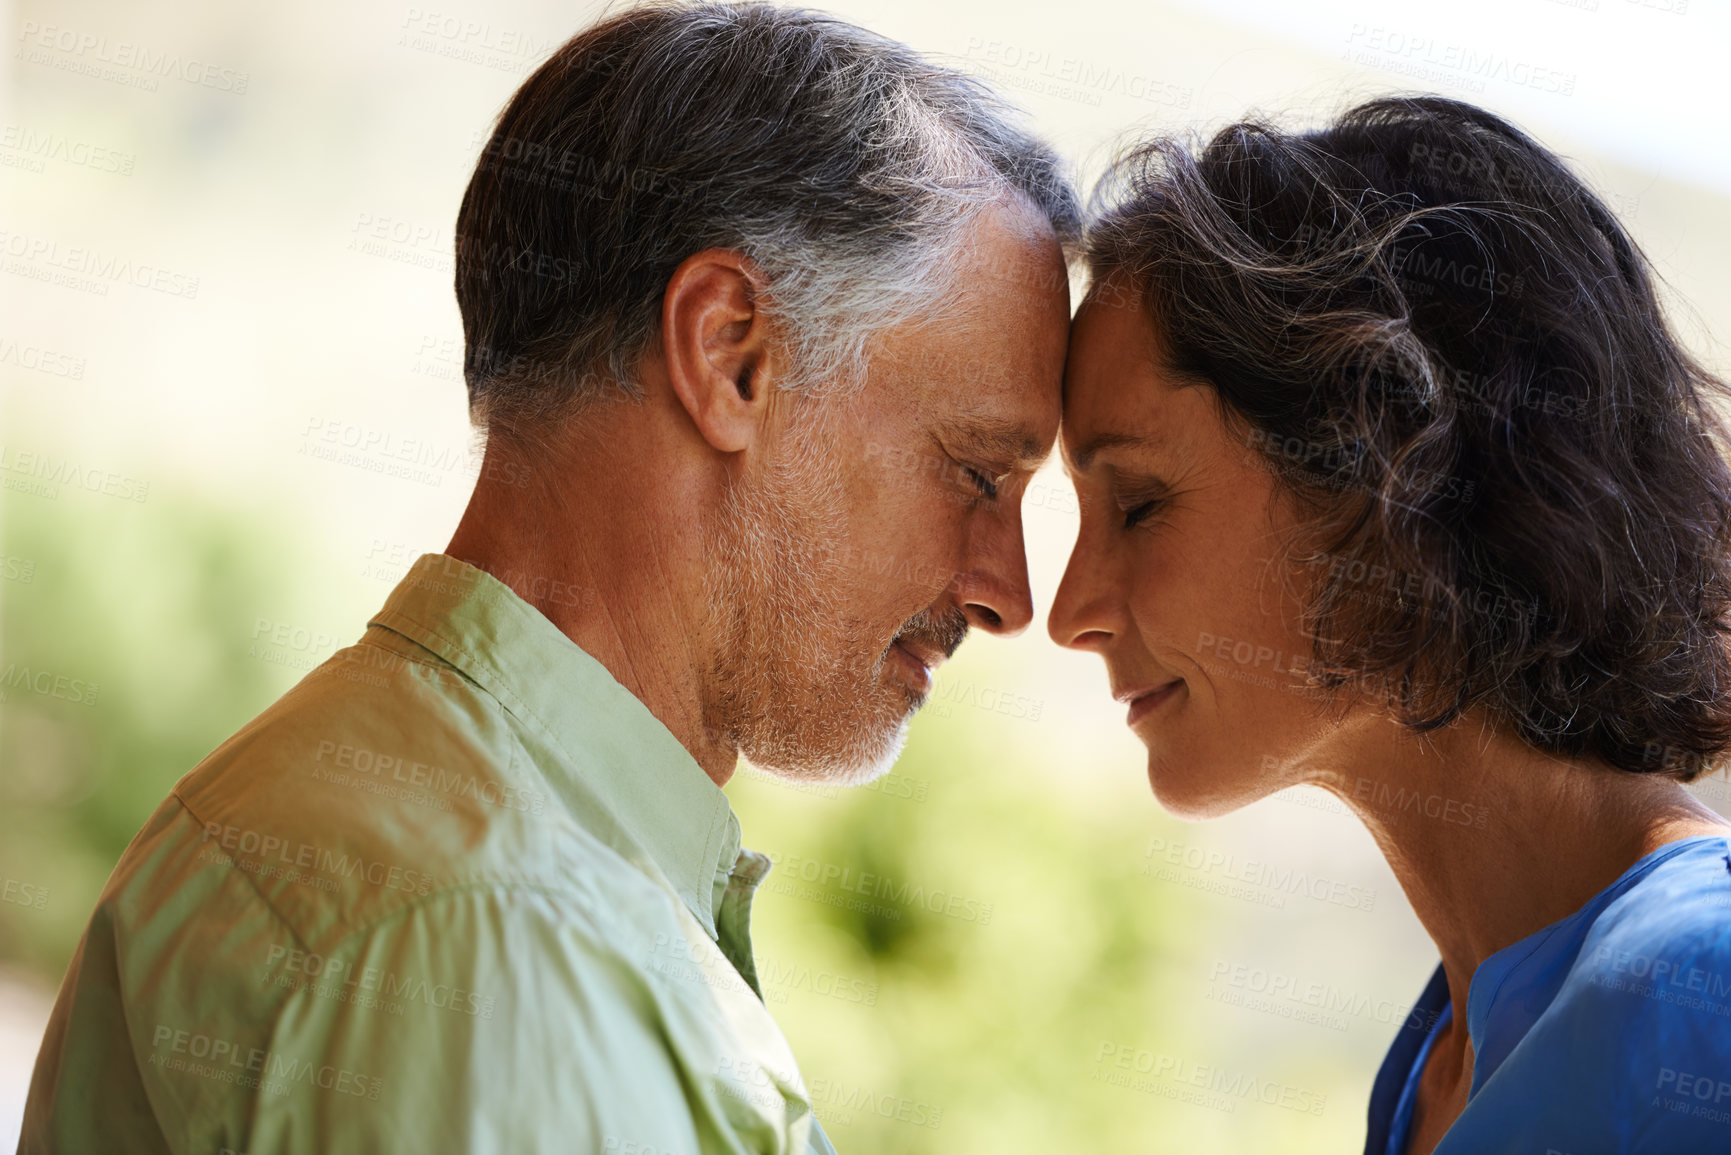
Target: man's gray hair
847,167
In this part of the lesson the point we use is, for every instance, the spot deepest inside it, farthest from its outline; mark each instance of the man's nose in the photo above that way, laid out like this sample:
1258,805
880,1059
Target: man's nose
993,590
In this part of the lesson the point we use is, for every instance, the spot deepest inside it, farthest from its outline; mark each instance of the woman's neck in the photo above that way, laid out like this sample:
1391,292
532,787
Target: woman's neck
1492,840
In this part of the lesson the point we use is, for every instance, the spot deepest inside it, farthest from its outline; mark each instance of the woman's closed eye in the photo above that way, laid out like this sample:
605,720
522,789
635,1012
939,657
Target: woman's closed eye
1137,507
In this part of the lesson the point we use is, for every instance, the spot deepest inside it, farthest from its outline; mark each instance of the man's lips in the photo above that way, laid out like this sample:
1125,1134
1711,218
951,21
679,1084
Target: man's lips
928,656
919,661
1144,698
926,641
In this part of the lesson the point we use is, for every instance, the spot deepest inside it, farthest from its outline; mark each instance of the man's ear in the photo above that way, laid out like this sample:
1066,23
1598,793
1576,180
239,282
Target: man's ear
715,345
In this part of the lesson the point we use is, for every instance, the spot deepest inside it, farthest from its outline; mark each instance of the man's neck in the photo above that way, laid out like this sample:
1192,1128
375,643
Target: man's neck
627,588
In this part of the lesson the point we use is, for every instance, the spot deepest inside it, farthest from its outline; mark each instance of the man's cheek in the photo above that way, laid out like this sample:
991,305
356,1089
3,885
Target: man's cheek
902,581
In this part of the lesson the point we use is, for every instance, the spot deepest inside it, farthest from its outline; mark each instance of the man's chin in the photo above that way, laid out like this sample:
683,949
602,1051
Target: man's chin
856,765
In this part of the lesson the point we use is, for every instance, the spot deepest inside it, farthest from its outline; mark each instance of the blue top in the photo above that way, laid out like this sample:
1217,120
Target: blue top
1607,1031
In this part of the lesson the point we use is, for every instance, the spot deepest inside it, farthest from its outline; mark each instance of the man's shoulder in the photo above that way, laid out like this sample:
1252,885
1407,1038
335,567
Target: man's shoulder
349,799
415,752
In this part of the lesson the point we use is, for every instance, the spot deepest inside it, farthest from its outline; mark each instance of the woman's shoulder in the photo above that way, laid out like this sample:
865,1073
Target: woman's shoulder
1677,908
1633,1041
1669,930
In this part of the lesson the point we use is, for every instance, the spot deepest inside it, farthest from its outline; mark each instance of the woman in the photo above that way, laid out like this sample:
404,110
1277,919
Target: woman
1395,482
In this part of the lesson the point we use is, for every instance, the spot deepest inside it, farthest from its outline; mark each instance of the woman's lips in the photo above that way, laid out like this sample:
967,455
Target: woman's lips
1142,704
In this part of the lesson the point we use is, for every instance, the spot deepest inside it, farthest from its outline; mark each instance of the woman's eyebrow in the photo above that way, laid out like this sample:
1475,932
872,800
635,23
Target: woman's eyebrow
1084,456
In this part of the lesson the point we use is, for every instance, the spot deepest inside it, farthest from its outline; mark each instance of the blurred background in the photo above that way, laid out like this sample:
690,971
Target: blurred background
225,230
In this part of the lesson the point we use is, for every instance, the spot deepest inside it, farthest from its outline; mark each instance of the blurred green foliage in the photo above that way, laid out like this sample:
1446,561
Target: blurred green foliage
124,639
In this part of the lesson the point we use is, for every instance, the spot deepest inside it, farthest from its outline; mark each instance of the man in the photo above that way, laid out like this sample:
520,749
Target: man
765,320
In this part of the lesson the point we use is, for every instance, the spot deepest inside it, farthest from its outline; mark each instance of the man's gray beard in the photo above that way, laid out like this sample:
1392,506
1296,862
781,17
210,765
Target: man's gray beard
789,684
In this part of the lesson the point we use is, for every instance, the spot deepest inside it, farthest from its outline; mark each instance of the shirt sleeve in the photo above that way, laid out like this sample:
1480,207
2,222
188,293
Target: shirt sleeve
486,1019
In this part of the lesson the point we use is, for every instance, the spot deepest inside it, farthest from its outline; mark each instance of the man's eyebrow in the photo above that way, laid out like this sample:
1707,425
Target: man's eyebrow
999,441
1084,456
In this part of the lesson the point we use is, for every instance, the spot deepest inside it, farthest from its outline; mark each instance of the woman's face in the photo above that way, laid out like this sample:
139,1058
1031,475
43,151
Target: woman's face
1175,579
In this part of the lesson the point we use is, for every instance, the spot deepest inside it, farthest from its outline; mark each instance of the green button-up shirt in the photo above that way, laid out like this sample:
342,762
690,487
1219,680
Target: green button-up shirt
458,890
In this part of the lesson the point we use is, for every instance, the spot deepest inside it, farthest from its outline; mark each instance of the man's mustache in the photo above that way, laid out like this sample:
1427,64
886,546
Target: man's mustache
943,632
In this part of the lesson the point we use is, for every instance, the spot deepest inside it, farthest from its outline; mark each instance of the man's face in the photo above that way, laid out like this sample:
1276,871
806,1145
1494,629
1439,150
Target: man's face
887,523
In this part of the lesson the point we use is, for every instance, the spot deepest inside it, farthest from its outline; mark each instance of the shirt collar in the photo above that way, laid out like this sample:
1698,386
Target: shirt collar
665,811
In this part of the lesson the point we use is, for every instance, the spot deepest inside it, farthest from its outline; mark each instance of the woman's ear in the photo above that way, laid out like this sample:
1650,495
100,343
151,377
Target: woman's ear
715,345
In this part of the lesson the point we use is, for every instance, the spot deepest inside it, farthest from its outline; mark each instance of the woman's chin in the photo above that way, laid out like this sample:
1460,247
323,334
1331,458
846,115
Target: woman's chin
1192,796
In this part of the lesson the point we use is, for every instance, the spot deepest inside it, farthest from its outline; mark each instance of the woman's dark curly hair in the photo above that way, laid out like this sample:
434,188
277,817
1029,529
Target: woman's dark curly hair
1452,355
